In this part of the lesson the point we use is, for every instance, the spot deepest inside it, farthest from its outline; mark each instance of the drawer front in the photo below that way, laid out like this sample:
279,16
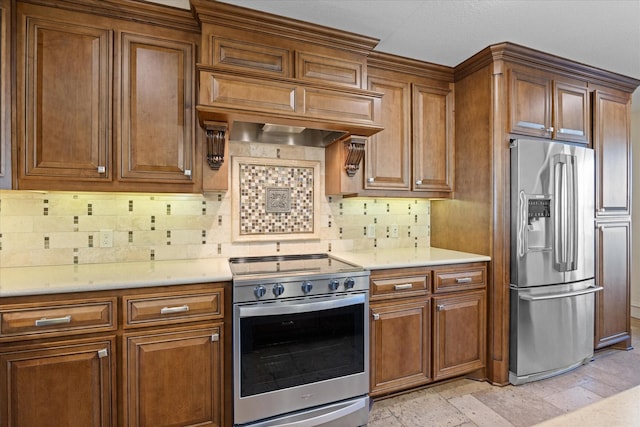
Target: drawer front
460,279
60,318
400,286
143,310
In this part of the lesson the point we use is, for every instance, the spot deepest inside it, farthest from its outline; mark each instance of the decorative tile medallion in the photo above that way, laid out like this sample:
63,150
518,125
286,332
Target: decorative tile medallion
275,199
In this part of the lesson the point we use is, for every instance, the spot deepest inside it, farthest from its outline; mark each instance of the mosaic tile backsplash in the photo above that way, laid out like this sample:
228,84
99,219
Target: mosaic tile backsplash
58,228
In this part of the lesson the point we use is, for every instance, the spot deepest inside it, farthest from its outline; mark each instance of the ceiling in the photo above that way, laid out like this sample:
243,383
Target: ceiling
601,33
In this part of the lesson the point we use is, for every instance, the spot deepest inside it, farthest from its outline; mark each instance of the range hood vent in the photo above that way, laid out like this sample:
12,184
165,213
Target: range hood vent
283,134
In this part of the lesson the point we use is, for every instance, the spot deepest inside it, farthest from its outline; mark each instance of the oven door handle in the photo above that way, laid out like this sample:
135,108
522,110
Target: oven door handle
305,306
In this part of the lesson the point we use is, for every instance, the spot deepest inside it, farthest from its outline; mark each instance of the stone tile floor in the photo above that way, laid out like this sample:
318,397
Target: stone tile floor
471,403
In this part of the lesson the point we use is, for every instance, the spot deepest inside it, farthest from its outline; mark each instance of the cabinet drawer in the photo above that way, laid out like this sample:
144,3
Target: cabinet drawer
59,318
460,279
167,308
399,286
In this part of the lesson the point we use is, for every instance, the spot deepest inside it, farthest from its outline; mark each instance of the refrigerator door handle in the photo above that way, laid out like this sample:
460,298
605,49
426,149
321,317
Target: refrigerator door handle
565,223
522,220
562,295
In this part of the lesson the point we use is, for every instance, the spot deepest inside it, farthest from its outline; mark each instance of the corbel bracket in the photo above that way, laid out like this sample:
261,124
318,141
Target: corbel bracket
216,135
354,148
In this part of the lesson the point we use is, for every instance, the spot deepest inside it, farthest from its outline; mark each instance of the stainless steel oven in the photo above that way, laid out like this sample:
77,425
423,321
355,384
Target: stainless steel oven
300,342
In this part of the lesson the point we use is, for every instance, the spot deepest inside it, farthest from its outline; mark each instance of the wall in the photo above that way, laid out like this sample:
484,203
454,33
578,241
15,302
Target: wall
635,217
54,228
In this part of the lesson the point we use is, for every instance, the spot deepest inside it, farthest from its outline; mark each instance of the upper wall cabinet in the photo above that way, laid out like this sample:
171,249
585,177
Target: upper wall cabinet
548,106
5,96
78,69
413,155
247,41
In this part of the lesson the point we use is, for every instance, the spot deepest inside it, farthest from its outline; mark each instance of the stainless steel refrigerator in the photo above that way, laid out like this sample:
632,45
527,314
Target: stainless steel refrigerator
552,259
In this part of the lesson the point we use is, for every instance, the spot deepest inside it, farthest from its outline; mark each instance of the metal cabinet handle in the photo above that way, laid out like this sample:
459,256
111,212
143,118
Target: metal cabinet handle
102,169
463,280
53,321
550,129
376,316
601,210
187,172
103,353
419,182
370,180
215,337
440,307
401,287
172,310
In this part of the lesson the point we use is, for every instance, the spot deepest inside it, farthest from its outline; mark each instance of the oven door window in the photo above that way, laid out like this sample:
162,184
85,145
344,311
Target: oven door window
289,350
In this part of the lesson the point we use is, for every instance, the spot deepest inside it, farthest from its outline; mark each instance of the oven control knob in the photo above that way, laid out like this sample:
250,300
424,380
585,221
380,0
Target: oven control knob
306,286
259,291
278,289
349,283
333,284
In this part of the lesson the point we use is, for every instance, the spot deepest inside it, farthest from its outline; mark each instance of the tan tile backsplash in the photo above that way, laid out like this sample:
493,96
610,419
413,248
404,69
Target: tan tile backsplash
57,228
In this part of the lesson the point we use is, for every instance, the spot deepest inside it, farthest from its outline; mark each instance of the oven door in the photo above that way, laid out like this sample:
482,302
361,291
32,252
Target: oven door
300,353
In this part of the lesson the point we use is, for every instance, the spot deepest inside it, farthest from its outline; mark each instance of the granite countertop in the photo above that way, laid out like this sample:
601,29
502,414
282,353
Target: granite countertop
407,257
18,281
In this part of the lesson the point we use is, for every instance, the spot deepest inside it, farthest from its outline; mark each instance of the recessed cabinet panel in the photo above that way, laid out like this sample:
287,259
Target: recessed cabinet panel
612,145
571,112
65,84
242,55
323,69
530,104
433,139
613,273
157,73
388,155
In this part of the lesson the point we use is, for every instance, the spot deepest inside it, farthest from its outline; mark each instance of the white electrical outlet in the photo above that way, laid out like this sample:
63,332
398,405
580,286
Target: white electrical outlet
106,238
394,231
371,231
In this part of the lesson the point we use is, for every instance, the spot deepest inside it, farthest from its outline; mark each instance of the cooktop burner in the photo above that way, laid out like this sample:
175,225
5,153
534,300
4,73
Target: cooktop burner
288,265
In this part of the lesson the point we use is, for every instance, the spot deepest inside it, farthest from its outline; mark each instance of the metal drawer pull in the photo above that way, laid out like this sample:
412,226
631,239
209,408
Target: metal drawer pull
53,321
376,316
215,337
172,310
103,353
463,280
440,307
405,286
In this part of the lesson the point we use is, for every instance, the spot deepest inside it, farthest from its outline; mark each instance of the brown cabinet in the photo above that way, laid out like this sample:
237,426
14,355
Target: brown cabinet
5,95
54,353
78,69
459,330
415,151
613,273
542,105
66,382
612,145
400,345
71,358
419,336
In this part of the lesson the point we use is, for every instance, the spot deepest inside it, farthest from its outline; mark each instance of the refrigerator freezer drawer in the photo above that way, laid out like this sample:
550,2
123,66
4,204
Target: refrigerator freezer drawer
551,329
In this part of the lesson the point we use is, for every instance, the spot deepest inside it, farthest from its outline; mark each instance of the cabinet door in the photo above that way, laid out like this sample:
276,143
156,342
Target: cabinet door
173,378
459,334
433,139
64,98
63,383
612,145
388,153
400,350
156,140
613,273
5,98
530,104
571,112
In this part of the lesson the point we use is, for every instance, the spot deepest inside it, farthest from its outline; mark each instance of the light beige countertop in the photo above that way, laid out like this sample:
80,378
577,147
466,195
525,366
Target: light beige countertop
407,257
18,281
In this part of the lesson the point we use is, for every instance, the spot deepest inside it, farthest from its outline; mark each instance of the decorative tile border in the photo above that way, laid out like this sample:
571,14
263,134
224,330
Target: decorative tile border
275,199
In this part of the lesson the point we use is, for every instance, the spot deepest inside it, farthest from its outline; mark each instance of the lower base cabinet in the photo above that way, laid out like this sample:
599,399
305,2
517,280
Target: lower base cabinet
144,357
173,377
426,324
67,383
400,348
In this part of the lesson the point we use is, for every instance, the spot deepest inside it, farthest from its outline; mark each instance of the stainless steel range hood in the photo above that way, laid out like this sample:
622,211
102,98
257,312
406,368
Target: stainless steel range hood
283,134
